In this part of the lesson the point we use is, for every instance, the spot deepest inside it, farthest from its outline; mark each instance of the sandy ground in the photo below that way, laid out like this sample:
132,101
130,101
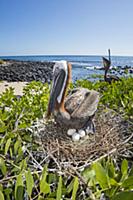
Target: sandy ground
18,87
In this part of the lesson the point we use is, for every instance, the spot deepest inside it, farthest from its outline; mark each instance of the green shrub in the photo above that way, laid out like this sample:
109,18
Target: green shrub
105,176
20,180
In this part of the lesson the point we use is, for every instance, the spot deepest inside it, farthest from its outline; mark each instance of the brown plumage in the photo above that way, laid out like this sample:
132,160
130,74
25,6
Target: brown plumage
78,108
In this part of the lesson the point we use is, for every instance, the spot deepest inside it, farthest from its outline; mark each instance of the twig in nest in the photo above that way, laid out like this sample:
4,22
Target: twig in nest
53,158
37,164
46,157
120,115
107,154
127,140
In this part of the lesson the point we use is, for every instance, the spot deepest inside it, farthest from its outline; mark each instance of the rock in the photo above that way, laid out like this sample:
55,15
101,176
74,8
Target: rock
26,71
131,71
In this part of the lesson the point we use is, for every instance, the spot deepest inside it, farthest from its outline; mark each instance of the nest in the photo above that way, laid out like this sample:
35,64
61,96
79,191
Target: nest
113,134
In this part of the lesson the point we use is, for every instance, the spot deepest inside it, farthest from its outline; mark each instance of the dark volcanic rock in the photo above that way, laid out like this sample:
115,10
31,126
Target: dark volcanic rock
26,71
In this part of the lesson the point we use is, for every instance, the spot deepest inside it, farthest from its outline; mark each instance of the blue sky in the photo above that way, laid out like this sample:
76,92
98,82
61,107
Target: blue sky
66,27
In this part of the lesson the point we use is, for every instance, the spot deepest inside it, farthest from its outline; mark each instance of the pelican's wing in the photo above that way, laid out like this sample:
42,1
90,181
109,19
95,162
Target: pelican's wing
58,80
114,77
74,99
88,106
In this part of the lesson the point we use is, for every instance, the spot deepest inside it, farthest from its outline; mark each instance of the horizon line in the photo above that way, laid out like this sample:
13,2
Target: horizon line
24,55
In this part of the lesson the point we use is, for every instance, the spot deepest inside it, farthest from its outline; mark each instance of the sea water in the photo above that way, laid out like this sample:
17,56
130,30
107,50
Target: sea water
82,66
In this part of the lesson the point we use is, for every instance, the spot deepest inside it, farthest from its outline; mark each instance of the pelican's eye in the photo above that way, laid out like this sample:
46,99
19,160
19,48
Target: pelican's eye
87,94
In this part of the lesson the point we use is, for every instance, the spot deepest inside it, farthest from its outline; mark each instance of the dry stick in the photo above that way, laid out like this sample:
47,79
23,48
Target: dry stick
47,157
54,159
15,176
112,151
66,172
120,115
107,154
8,178
10,161
30,154
129,138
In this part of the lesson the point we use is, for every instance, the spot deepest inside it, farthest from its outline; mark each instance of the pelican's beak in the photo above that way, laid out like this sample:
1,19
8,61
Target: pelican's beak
58,85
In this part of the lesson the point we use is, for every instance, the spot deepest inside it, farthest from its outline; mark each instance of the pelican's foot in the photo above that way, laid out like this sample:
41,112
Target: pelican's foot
90,128
76,135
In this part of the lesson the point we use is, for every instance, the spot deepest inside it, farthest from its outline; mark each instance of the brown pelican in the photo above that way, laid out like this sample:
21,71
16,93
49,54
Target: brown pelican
107,64
76,110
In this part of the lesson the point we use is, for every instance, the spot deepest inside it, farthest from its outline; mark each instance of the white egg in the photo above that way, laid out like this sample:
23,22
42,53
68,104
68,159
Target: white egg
75,137
81,133
71,132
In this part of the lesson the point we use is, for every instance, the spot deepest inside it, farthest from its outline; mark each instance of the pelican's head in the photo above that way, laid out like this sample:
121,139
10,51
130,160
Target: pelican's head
61,74
107,62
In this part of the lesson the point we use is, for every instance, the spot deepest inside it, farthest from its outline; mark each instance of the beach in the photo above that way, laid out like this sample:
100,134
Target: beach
17,74
18,87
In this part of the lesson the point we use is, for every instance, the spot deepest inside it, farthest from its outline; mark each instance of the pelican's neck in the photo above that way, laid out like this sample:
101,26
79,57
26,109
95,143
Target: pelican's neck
109,56
62,107
105,75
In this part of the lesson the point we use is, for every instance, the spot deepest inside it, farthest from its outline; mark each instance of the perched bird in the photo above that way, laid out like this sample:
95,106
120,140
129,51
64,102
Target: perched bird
107,64
76,110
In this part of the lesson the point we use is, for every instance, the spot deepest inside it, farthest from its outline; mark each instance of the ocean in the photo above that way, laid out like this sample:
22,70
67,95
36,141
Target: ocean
82,66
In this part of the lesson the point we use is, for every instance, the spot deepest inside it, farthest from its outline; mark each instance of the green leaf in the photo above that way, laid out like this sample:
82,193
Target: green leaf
75,188
7,191
1,196
110,169
40,198
113,182
3,129
124,167
19,188
59,189
101,175
16,146
70,186
23,164
128,183
1,187
7,145
52,178
88,174
3,166
44,186
29,182
123,196
11,153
